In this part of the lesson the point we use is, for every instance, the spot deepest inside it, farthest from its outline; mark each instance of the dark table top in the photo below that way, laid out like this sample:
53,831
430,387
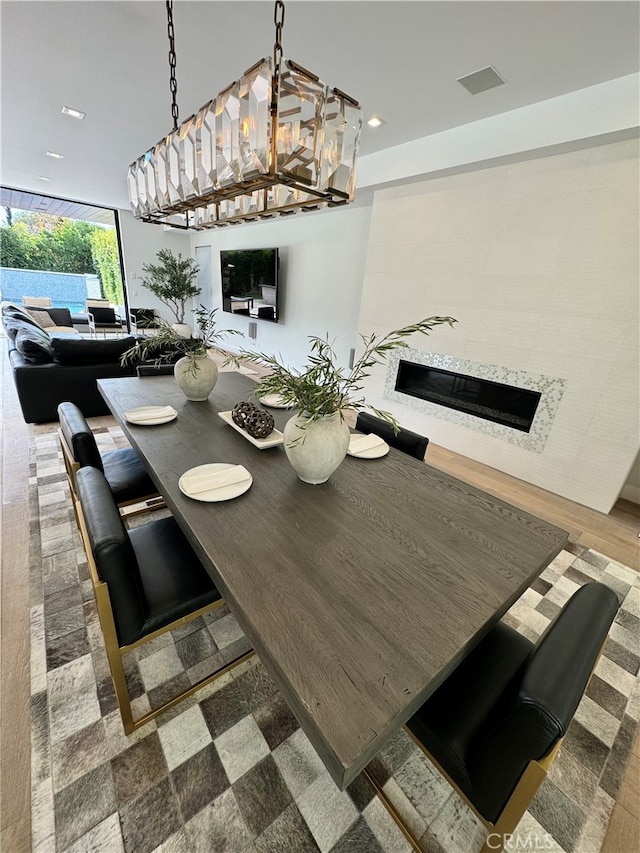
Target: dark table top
359,595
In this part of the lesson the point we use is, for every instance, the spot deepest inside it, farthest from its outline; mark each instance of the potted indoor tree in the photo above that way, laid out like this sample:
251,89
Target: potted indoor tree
172,280
316,439
196,374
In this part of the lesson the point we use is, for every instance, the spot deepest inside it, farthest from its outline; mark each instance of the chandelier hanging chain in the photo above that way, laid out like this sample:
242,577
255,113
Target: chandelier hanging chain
173,83
278,20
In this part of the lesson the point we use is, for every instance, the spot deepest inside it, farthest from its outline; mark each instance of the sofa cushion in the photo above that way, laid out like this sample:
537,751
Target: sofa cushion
34,344
15,319
81,351
11,310
60,316
42,317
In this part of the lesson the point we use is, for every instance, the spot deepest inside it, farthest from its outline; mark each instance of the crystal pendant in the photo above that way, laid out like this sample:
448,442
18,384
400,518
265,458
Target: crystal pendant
132,186
206,149
227,137
142,186
284,200
160,166
150,182
186,145
342,125
206,216
172,159
299,128
255,120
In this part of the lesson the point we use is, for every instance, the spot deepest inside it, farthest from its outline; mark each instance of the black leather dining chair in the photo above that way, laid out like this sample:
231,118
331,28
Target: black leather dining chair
405,440
146,581
127,477
496,724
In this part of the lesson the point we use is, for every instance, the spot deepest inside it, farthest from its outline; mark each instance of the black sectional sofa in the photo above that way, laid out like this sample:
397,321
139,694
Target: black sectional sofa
50,367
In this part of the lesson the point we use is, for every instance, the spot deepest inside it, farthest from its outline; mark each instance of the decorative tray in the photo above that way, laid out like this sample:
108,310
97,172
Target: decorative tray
272,440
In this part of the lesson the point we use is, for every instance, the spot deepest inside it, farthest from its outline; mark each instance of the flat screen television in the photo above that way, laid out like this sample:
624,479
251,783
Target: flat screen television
250,282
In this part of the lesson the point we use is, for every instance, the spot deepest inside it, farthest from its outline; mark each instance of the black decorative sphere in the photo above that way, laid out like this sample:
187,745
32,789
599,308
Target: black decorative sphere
241,412
259,423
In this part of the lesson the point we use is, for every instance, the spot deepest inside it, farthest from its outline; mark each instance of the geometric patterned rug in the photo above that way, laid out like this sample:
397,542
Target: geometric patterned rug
229,769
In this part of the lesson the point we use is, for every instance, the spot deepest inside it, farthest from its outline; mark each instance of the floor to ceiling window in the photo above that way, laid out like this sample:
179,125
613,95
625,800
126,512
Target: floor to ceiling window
59,250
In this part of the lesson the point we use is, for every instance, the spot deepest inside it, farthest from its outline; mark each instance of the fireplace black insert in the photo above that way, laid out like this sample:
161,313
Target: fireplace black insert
493,401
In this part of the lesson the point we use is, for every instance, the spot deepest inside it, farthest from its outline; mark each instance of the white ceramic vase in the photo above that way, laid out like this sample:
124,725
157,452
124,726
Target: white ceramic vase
315,449
183,330
196,376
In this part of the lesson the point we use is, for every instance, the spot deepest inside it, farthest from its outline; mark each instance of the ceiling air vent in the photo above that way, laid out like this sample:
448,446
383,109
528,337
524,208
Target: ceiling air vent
480,81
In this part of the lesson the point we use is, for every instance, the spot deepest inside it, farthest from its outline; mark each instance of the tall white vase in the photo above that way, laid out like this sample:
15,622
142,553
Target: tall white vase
196,376
183,330
315,449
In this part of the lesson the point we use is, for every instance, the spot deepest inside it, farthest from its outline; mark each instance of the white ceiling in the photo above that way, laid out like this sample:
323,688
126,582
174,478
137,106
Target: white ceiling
400,59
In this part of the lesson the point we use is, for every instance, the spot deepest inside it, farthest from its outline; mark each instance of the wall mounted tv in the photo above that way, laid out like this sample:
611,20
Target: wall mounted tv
250,282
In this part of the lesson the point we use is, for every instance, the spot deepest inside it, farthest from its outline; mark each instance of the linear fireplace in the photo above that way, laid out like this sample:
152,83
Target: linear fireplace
511,405
494,401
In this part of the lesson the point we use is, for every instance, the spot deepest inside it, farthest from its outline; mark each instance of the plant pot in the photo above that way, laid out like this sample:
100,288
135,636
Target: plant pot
315,449
196,376
183,330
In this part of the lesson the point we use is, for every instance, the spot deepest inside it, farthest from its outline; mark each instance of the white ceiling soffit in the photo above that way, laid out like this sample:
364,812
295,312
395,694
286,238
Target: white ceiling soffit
401,60
23,200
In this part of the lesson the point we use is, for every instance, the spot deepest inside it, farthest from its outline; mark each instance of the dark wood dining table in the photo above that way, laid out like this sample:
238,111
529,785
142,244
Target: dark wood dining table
359,595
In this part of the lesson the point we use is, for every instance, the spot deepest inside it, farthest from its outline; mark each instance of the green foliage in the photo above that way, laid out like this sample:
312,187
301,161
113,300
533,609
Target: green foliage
15,247
104,250
172,281
323,388
36,221
165,344
70,246
37,241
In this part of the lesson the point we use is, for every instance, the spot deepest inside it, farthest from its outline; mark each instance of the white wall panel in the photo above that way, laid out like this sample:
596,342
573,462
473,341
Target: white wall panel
538,260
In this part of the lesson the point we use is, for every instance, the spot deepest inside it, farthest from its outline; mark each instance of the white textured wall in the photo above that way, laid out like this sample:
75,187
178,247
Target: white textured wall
140,244
322,257
538,261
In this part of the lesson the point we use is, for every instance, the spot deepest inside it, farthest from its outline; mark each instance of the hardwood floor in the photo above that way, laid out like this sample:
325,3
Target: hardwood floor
15,796
615,535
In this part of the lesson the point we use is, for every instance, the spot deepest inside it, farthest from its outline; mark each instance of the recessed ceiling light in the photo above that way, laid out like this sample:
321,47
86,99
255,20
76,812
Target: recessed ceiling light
375,121
70,111
42,178
55,155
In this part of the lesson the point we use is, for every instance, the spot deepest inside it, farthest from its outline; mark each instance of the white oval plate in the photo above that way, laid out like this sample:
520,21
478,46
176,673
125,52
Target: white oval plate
376,452
274,401
222,493
143,415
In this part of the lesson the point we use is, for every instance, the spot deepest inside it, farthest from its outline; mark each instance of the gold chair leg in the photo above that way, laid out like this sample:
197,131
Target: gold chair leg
114,656
115,653
496,834
136,724
395,814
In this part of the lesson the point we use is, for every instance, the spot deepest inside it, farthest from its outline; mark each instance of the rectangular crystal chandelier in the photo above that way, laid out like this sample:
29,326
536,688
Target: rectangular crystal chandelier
276,142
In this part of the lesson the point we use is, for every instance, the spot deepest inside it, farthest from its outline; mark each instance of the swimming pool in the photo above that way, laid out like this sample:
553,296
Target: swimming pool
74,307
